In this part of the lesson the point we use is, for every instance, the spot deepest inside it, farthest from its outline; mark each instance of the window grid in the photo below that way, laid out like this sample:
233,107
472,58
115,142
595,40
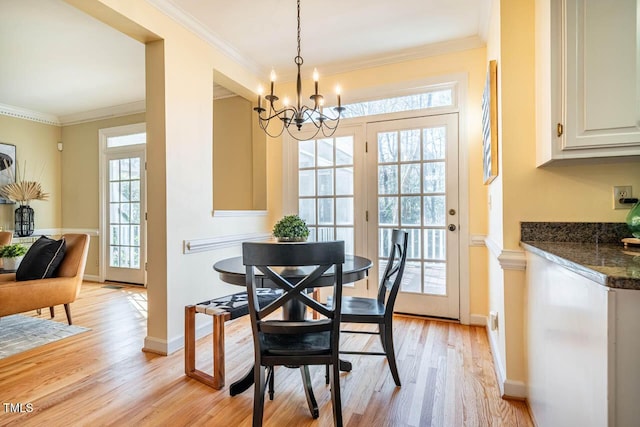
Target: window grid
124,213
425,270
329,208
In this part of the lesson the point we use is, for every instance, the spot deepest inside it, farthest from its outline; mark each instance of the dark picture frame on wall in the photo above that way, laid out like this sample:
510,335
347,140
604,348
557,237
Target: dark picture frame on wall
490,124
7,167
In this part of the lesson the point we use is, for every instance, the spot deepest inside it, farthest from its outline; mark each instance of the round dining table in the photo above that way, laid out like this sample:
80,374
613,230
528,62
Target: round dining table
233,271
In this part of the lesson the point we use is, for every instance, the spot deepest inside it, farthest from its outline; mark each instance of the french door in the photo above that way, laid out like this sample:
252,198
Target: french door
123,223
370,178
413,185
328,190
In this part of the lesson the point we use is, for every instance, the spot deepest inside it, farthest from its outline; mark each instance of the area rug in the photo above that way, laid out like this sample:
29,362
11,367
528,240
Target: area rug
21,333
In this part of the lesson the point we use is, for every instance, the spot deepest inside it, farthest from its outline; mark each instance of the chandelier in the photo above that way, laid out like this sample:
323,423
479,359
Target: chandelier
298,114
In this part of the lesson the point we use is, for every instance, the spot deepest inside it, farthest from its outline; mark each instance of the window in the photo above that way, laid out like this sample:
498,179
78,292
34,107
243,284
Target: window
326,189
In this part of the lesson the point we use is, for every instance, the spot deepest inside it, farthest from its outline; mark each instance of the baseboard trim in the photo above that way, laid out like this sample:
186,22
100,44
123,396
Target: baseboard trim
155,345
477,320
508,388
91,278
515,390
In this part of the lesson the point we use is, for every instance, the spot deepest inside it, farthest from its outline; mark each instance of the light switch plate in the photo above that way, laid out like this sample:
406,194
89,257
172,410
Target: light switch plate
621,192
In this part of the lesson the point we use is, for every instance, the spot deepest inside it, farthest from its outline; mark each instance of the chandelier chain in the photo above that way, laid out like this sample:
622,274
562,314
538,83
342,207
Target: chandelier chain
299,32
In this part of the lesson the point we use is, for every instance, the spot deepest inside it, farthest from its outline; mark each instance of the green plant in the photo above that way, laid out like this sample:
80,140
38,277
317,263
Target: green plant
13,250
291,227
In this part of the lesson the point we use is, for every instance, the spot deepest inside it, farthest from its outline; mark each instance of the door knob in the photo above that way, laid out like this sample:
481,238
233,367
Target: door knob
452,227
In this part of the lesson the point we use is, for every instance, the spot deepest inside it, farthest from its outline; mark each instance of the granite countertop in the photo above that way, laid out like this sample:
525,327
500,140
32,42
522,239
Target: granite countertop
608,264
593,250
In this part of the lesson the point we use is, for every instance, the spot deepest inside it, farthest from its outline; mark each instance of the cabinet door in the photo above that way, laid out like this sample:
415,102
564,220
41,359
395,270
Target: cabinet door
601,105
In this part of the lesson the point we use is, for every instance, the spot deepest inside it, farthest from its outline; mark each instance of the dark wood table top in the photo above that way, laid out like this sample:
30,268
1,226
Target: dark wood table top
355,268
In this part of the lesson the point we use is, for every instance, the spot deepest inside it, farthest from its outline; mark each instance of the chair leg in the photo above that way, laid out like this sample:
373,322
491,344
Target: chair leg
67,310
335,394
258,395
308,391
271,380
391,354
52,312
326,374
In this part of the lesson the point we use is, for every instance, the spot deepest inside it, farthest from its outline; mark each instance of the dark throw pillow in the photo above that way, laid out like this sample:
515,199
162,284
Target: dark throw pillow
42,259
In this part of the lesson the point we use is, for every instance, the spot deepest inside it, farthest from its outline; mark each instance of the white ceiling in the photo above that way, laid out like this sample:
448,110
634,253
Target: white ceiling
59,61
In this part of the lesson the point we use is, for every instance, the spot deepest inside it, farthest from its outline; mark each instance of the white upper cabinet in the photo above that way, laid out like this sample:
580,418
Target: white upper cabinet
587,79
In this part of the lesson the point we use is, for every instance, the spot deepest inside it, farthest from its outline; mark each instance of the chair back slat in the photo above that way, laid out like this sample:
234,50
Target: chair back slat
319,258
392,277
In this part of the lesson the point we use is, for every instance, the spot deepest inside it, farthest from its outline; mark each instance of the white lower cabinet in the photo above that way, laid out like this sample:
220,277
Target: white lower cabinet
583,346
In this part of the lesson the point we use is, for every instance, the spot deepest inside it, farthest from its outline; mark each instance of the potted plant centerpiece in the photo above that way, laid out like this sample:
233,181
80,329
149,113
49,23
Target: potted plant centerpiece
291,228
11,255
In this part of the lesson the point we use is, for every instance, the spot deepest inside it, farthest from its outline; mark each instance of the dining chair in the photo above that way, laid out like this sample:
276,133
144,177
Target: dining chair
293,340
380,310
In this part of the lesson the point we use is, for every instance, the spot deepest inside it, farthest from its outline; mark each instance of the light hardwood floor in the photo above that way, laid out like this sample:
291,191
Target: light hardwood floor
102,377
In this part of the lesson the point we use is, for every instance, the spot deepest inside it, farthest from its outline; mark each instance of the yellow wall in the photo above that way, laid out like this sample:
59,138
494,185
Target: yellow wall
472,64
577,190
80,180
232,154
179,80
36,147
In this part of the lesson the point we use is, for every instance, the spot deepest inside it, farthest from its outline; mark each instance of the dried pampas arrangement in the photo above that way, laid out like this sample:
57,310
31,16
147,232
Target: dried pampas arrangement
22,191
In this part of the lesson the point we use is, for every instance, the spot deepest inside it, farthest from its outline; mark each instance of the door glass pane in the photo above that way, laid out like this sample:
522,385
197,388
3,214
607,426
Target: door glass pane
344,181
307,210
344,151
388,210
325,182
434,210
412,278
435,278
388,179
434,143
124,169
434,177
414,243
135,168
435,244
306,154
346,234
410,145
307,183
325,211
344,211
410,178
387,147
325,152
410,214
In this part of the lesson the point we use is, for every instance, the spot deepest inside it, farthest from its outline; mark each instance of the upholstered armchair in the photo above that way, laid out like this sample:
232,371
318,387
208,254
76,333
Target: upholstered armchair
26,295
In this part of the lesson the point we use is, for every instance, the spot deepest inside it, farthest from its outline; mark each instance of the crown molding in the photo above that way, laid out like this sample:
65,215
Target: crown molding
72,119
411,54
170,9
24,114
104,113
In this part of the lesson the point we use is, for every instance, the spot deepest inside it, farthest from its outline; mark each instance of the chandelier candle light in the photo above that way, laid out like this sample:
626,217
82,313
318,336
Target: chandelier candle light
298,114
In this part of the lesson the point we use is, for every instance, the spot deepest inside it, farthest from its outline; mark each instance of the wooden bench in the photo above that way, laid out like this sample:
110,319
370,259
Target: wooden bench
222,310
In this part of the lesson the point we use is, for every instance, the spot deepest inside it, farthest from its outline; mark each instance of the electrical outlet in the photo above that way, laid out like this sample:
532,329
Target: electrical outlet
621,192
